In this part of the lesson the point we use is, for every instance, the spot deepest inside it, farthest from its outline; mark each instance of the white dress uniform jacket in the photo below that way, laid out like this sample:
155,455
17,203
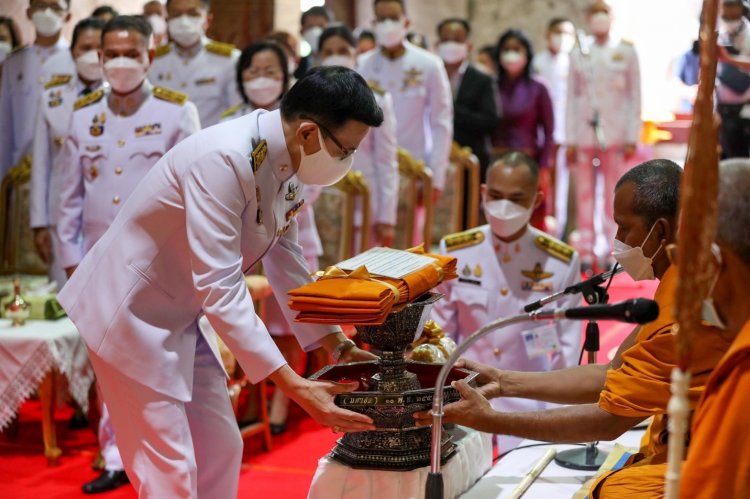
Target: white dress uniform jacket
422,100
106,156
616,80
207,74
206,213
496,279
23,78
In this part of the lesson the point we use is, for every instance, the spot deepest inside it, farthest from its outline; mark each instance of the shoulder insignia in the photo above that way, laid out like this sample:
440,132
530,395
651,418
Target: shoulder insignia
170,95
223,49
463,239
259,154
57,80
376,88
555,248
229,112
163,50
89,99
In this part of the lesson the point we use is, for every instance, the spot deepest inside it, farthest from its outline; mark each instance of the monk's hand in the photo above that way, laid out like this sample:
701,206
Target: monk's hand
473,410
356,354
316,398
488,379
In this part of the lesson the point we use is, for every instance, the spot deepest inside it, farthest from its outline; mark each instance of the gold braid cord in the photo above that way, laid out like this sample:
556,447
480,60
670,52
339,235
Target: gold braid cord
697,230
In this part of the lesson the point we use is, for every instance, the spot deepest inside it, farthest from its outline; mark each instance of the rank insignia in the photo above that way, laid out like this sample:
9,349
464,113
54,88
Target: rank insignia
281,231
466,271
537,274
545,287
259,217
259,155
291,192
412,78
97,125
145,130
55,98
478,271
292,212
205,81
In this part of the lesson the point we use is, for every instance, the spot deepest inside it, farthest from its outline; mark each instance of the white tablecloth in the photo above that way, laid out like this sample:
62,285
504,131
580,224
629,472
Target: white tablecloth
29,352
554,482
472,459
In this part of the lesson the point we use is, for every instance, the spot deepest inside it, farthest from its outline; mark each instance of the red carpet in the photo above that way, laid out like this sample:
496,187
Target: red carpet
284,473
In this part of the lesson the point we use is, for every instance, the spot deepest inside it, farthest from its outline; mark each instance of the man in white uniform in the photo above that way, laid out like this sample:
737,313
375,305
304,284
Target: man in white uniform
23,79
605,83
56,109
203,69
419,86
502,267
553,65
212,208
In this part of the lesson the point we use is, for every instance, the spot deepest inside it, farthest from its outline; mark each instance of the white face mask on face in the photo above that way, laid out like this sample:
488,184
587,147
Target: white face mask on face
158,24
562,43
186,30
5,49
338,60
47,22
731,26
262,91
453,52
506,217
513,61
710,314
600,23
635,263
312,37
390,33
320,168
124,74
88,66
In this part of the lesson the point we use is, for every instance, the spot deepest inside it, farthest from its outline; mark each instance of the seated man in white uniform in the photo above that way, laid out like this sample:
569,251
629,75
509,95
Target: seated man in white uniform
502,267
212,208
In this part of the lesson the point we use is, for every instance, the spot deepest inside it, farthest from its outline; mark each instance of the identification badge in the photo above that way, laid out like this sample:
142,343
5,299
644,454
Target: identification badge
540,341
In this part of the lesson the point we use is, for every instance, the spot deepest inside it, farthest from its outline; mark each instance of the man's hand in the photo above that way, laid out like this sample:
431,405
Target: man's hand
385,234
571,155
628,150
489,379
356,354
473,410
43,244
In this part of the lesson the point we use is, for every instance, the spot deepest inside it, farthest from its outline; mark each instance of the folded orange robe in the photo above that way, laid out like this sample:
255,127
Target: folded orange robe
718,462
641,386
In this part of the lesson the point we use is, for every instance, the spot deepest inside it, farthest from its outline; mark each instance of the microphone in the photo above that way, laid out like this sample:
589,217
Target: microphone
581,287
636,311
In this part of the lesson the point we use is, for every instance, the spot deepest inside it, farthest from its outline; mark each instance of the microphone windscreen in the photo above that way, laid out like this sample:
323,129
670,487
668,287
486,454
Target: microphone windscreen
643,311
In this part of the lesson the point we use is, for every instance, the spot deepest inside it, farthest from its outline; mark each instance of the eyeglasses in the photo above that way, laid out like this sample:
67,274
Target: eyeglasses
345,153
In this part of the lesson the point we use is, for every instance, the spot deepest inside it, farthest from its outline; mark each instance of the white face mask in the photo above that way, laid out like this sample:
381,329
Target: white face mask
562,43
600,23
186,30
513,61
320,168
338,60
710,314
453,52
124,74
635,263
291,66
263,91
158,24
390,33
88,66
506,217
5,49
47,22
312,37
730,26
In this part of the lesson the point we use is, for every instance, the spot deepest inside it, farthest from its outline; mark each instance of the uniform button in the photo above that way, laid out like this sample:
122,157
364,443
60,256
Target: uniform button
118,170
498,352
116,200
59,141
283,168
121,143
504,291
506,258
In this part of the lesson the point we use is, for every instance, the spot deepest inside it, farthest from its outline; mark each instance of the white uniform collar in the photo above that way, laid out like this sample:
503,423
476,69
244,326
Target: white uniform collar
270,129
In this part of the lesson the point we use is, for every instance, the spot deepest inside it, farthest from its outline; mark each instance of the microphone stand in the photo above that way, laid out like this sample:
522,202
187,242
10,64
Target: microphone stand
590,457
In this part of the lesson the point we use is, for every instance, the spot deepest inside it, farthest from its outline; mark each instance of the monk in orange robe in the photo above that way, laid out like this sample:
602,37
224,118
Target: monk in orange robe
608,400
717,463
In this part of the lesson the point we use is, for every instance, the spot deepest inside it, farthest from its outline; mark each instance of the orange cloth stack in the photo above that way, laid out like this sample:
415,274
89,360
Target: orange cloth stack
338,297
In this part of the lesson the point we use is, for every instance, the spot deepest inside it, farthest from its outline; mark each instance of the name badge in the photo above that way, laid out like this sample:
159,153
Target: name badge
540,341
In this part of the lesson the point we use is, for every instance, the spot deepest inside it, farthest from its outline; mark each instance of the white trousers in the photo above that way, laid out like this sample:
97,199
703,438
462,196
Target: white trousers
55,271
108,441
172,448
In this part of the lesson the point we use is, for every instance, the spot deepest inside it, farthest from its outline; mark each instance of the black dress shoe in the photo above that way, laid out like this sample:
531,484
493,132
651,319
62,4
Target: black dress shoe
108,480
278,429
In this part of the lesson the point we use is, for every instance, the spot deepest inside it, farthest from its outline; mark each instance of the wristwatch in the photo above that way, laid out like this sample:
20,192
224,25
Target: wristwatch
342,348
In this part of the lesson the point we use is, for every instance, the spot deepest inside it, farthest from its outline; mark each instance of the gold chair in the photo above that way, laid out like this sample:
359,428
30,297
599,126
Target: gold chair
415,191
17,251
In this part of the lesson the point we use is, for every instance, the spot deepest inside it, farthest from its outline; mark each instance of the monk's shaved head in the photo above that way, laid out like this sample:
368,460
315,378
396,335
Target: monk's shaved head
657,189
733,223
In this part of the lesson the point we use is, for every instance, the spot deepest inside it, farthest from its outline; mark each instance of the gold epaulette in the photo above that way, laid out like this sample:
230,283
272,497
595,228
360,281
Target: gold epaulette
57,80
229,112
163,49
376,88
554,247
220,48
170,95
463,239
89,99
